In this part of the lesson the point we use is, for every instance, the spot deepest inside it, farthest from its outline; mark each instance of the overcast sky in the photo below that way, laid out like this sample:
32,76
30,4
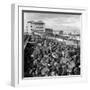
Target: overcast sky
67,22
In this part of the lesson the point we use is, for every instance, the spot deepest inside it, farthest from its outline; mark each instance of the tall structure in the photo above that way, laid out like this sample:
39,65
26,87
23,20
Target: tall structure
61,32
48,31
38,27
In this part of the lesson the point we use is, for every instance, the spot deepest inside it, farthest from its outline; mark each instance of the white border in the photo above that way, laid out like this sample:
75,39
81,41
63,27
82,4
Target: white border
16,68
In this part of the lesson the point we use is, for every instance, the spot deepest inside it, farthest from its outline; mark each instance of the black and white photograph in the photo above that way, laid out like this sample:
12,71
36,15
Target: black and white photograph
51,43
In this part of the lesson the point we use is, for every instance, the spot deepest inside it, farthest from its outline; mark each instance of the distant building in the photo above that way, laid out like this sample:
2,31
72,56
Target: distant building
37,27
74,36
48,31
61,32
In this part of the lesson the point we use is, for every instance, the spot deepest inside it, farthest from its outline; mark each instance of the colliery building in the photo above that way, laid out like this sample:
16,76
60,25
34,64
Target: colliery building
35,27
48,31
38,28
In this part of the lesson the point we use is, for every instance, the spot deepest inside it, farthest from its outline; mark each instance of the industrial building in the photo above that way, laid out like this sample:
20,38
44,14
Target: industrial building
35,27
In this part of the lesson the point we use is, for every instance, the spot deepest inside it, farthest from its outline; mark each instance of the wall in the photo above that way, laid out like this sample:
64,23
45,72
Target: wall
5,42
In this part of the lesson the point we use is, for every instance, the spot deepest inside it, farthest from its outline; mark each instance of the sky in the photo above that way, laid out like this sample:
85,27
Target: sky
66,22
